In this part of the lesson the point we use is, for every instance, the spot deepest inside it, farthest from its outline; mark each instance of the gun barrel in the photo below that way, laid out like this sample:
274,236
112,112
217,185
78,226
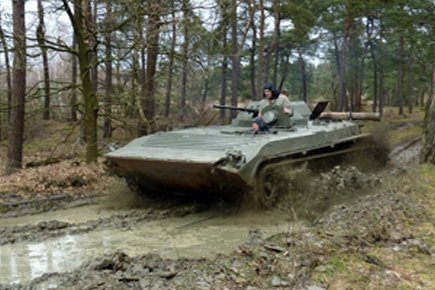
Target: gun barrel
351,116
227,107
252,111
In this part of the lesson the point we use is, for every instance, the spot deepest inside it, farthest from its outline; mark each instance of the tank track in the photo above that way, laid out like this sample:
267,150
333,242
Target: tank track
270,176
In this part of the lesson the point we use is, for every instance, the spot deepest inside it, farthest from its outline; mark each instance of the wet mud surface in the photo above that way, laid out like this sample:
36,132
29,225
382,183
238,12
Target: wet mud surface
124,241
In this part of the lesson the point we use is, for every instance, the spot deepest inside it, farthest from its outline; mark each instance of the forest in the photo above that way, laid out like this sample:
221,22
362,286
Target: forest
152,65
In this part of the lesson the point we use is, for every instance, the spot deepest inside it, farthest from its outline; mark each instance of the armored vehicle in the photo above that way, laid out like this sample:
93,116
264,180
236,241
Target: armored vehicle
217,160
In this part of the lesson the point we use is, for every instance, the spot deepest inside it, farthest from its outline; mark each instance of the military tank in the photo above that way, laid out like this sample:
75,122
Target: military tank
232,160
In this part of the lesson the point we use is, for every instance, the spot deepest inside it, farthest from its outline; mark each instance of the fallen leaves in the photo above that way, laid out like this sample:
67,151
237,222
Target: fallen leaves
68,177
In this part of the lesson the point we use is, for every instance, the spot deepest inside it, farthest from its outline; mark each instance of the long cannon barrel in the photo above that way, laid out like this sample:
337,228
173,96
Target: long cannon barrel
252,111
350,116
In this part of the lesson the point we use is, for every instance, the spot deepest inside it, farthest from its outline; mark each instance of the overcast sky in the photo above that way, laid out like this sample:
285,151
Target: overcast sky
57,24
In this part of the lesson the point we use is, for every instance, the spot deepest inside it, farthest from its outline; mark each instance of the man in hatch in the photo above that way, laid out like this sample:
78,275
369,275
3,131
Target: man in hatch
271,96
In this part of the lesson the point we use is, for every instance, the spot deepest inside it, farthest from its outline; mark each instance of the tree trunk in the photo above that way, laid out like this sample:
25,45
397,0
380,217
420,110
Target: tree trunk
236,54
381,91
261,56
205,91
253,51
358,73
73,103
152,41
91,17
8,85
142,125
135,80
401,75
234,60
341,84
349,23
342,98
171,62
81,32
303,76
224,65
142,75
107,127
120,83
185,66
224,86
421,100
375,84
285,72
40,36
427,153
381,69
371,47
359,77
410,95
375,78
277,36
8,72
16,128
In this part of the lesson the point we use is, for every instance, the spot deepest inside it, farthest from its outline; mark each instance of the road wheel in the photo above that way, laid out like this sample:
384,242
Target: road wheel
134,185
271,186
137,188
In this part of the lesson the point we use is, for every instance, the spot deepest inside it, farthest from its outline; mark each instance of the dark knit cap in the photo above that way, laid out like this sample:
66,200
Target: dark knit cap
270,87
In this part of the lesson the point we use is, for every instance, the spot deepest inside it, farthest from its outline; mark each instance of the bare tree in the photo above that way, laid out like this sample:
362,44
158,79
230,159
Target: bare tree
261,75
302,65
224,66
8,70
428,151
107,127
342,63
236,49
73,101
171,61
185,66
16,128
81,28
401,73
276,38
91,19
40,36
152,41
235,60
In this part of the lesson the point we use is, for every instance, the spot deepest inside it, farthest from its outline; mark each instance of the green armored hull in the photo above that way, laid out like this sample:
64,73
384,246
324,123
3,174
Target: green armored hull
220,159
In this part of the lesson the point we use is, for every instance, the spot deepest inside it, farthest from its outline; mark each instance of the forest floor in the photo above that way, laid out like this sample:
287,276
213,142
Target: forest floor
347,228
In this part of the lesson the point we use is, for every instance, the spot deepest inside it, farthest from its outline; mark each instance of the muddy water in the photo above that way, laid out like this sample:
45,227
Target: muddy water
73,215
197,235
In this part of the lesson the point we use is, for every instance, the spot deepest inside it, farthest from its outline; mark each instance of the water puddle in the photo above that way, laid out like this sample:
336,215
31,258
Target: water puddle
71,215
196,235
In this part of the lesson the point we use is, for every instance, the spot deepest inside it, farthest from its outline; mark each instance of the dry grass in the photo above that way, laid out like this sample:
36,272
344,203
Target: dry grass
391,246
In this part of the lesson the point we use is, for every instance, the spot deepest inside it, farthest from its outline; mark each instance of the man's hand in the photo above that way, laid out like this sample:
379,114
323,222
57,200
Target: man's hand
288,111
255,128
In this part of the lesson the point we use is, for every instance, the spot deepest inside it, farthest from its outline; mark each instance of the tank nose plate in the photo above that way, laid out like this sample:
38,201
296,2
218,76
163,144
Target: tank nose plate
181,177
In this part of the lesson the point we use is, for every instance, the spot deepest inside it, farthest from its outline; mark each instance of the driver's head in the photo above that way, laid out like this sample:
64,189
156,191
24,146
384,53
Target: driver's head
270,92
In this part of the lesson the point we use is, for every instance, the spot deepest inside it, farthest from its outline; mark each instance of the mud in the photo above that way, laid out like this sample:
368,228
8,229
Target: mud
124,241
196,235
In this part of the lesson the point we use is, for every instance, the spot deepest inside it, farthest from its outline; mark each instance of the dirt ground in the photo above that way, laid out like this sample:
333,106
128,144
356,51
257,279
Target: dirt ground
350,229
